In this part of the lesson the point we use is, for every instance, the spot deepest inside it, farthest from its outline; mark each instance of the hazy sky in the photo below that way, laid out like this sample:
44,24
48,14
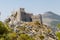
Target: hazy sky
33,6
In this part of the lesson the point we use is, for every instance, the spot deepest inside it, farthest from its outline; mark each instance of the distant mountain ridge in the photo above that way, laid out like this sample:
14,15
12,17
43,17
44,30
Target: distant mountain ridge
51,19
52,15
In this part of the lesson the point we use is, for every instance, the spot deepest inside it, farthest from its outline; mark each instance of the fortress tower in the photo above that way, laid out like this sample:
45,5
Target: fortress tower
23,16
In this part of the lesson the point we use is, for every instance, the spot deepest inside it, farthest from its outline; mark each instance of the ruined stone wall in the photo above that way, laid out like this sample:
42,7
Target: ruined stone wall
37,18
25,17
21,15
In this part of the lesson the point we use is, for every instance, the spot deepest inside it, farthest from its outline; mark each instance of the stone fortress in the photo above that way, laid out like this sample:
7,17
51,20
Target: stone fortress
19,17
22,16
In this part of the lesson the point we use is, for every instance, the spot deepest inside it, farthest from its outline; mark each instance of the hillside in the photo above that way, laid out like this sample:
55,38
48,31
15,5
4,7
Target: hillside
51,19
35,30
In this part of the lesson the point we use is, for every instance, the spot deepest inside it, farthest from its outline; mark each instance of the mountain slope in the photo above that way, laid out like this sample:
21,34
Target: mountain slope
51,19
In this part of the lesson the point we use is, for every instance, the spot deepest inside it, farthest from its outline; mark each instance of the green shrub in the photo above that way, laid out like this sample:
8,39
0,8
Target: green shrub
41,37
24,37
58,35
3,29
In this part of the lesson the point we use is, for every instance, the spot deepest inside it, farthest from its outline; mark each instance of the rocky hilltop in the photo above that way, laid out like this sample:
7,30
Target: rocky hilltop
24,23
49,18
35,30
